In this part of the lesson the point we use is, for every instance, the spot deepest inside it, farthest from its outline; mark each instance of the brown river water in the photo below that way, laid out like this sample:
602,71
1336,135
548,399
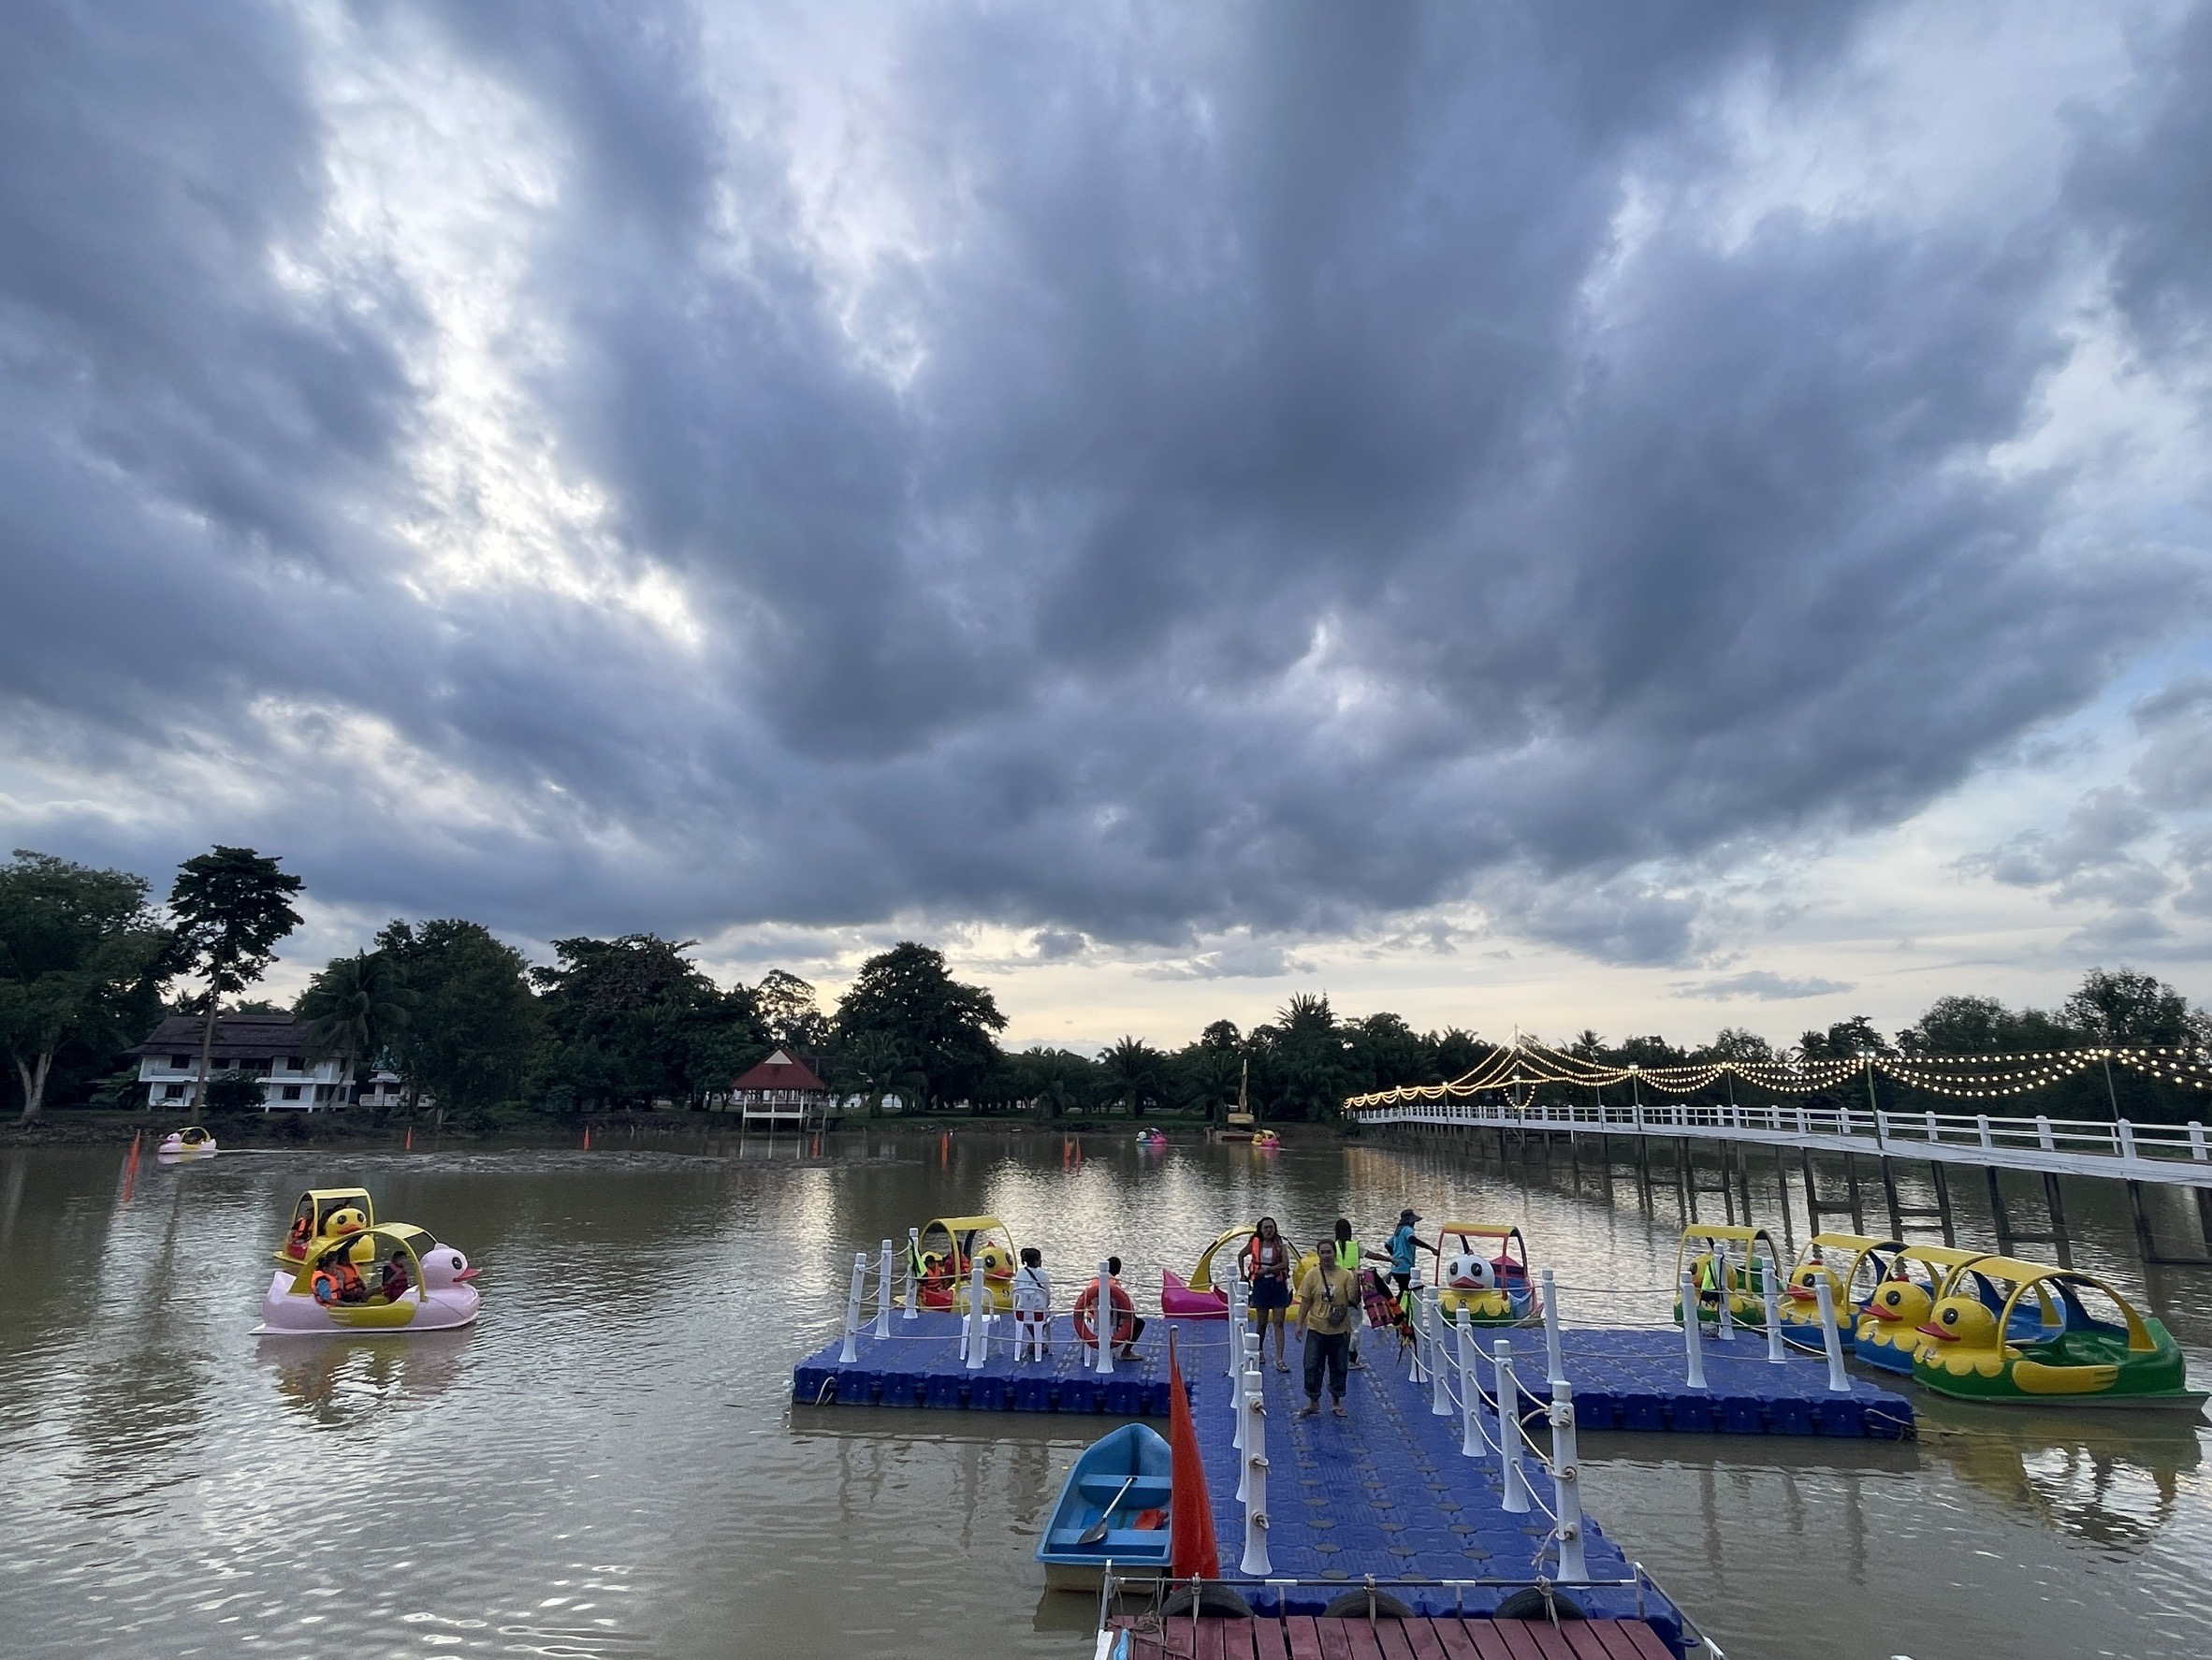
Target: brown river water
609,1464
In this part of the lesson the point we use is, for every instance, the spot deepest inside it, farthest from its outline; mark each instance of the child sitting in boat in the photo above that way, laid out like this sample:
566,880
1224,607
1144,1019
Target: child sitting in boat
395,1280
1032,1307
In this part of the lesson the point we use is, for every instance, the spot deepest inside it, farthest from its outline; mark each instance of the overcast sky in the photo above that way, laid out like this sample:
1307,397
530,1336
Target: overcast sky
1645,515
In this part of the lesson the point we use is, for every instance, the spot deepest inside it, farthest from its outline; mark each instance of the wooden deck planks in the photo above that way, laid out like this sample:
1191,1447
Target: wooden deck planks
1308,1637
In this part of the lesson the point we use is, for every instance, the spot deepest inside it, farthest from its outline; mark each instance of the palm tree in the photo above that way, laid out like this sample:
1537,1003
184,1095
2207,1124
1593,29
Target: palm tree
874,1059
354,1009
1132,1068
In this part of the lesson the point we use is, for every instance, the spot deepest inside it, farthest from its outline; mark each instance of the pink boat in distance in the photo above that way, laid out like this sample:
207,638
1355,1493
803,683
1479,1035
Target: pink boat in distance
1178,1301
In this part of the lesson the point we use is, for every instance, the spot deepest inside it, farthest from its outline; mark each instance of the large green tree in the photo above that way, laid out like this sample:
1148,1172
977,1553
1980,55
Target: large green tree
356,1010
228,910
2122,1009
789,1014
633,1021
950,1030
80,959
475,1028
1984,1025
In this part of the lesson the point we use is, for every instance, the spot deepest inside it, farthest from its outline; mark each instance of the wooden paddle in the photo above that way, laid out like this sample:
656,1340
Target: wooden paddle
1097,1531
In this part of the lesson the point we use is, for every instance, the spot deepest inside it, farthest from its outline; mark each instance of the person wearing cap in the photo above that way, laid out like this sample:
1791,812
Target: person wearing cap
1403,1243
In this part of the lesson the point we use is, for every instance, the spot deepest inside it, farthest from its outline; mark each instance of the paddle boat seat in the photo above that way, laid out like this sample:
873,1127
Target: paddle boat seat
1146,1489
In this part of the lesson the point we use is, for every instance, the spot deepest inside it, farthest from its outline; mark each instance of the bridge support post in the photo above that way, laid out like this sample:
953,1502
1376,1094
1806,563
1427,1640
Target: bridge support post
2145,1242
1782,1194
1943,1190
2007,1237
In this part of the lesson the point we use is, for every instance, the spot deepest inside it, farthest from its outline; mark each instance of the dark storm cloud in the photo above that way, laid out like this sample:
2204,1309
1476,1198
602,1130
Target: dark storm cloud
1303,493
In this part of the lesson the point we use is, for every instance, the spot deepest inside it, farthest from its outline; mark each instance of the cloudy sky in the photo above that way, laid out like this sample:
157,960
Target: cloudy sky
1639,515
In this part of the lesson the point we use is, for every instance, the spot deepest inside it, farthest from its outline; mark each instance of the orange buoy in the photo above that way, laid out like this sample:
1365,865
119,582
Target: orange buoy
587,1138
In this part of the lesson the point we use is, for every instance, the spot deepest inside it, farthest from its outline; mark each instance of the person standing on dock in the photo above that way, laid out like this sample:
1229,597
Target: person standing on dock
1403,1243
1346,1255
1032,1307
1266,1266
1325,1298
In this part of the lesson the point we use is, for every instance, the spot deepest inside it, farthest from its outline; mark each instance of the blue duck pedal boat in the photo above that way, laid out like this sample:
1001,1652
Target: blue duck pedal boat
1122,1479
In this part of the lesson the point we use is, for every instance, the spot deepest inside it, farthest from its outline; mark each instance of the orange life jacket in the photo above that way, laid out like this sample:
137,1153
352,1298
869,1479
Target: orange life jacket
337,1281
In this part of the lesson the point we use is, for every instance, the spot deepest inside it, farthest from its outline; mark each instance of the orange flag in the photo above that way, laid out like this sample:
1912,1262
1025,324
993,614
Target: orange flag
1193,1554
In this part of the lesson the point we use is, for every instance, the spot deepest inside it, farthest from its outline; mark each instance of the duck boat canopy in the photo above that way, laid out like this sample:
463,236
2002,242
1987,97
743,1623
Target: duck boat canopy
943,1256
1487,1277
1739,1274
325,1214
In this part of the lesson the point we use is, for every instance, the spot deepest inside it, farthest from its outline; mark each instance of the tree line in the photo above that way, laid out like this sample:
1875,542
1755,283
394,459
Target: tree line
472,1028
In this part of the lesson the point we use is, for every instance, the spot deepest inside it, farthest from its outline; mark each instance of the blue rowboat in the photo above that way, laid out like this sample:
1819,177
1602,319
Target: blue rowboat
1133,1456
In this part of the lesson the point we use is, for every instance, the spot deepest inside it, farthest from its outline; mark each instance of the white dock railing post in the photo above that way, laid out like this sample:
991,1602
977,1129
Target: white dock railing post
1246,1345
1249,1401
978,1311
860,1281
1725,1329
883,1294
1554,1369
1692,1345
1439,1361
1515,1500
1838,1382
1256,1563
1774,1350
913,1256
1102,1321
1470,1390
1566,1486
1239,1317
1419,1373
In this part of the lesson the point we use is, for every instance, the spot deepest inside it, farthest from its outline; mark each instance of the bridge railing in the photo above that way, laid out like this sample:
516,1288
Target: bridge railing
1863,1126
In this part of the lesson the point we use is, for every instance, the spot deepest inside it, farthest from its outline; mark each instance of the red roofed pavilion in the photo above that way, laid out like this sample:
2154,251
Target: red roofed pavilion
782,1092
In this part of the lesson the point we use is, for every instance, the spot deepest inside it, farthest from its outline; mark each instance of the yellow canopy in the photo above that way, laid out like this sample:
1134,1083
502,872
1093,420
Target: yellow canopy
965,1224
1746,1237
1943,1258
404,1236
2031,1276
1201,1278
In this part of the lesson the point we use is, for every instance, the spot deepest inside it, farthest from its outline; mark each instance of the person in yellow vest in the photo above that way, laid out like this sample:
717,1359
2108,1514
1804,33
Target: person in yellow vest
1326,1297
1347,1256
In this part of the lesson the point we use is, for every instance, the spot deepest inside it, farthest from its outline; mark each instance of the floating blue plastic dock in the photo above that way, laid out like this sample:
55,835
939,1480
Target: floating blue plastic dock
1631,1379
1386,1491
1628,1379
919,1364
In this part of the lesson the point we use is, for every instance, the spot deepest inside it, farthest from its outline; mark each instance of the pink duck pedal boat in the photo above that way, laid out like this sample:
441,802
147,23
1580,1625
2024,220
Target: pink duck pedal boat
1198,1298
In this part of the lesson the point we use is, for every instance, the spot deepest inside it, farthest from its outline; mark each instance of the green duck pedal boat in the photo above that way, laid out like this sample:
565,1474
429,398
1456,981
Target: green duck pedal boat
2077,1360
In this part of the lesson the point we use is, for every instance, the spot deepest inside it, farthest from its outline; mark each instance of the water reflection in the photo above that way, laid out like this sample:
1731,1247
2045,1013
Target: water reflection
342,1384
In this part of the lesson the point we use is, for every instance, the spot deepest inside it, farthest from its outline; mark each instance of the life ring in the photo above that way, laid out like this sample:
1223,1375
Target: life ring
1124,1315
